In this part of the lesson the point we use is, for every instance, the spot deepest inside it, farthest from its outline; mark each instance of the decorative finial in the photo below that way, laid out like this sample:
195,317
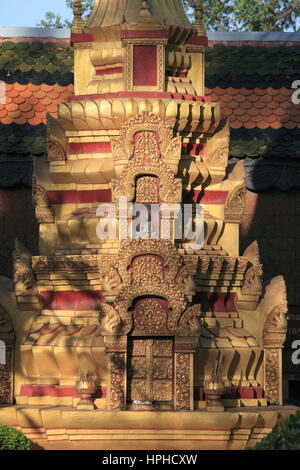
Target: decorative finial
78,23
198,24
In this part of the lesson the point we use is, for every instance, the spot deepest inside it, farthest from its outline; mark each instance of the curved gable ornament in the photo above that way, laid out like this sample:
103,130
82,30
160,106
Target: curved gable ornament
150,269
235,204
146,146
275,328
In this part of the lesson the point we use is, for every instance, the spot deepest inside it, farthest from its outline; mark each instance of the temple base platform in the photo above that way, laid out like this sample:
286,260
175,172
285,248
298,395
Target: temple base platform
65,428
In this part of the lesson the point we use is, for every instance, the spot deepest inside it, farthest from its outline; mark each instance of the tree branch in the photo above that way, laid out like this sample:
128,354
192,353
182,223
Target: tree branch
283,15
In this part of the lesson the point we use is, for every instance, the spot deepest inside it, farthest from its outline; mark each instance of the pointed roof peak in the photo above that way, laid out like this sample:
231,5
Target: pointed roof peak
145,18
112,12
199,25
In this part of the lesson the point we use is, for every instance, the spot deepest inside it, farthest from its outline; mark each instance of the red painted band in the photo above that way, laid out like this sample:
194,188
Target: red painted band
80,197
179,74
90,147
233,393
217,302
78,37
110,71
198,41
210,197
192,149
72,300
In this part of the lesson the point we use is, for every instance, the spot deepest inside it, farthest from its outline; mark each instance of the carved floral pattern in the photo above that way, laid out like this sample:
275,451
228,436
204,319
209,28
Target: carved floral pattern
272,378
142,143
117,383
150,318
43,210
182,394
147,191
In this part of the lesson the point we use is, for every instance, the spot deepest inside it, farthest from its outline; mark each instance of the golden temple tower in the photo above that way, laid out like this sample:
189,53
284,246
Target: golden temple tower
153,322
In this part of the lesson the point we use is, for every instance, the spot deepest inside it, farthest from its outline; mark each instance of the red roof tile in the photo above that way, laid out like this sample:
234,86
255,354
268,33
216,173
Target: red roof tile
31,103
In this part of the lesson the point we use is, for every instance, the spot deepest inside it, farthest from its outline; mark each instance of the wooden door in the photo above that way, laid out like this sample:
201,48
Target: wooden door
150,374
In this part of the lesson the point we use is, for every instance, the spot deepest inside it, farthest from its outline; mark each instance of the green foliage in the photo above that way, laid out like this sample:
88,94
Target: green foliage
248,15
285,436
54,20
11,439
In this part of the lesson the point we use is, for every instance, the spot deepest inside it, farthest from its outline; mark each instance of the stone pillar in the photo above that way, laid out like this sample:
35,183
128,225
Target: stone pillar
273,375
184,373
274,335
116,348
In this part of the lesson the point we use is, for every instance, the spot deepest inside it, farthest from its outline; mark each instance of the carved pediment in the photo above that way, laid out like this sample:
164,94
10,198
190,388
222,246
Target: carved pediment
145,147
57,144
149,270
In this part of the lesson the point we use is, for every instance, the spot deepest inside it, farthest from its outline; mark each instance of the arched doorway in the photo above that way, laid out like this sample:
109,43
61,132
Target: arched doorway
150,357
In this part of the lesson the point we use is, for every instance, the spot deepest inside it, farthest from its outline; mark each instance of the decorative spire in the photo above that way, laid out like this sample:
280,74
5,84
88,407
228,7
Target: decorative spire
145,19
78,23
198,24
145,4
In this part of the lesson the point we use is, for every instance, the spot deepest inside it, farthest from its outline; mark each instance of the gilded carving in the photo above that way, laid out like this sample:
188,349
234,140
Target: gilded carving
143,143
111,280
147,190
162,369
170,188
55,150
183,377
25,282
147,270
162,391
189,321
252,283
150,375
66,263
117,381
275,327
217,148
272,375
163,347
111,321
150,318
164,249
185,280
45,214
56,141
235,204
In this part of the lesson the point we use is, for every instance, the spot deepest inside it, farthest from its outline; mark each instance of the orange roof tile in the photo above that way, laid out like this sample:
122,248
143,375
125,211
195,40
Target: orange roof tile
21,120
272,91
35,121
264,108
250,124
235,124
266,98
7,120
31,103
277,124
273,105
240,98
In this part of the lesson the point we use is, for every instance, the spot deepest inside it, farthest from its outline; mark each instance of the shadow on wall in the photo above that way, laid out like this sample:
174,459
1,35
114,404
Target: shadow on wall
272,217
17,220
